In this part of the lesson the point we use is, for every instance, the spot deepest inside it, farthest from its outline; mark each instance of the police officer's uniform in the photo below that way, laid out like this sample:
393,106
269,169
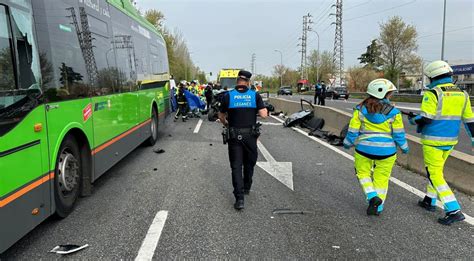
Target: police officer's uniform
242,105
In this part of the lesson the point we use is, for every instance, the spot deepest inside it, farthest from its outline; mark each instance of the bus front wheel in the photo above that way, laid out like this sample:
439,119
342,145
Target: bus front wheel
68,177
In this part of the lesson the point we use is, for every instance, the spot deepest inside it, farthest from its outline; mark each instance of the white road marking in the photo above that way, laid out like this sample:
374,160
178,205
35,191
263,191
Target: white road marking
282,171
198,126
469,219
147,250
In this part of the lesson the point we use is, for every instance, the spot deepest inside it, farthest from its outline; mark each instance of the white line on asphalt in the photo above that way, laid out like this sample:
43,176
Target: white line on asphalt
469,219
266,154
198,126
147,250
282,171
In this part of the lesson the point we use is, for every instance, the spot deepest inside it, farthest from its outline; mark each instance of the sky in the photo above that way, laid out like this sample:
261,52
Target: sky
225,33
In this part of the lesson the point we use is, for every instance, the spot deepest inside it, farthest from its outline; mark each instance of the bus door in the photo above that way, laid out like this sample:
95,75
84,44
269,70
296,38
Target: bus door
24,171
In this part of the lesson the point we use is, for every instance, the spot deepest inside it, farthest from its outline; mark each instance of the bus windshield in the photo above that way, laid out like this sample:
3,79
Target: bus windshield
228,83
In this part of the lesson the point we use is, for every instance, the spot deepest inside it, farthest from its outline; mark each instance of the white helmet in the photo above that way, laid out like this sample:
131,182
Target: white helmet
378,88
437,68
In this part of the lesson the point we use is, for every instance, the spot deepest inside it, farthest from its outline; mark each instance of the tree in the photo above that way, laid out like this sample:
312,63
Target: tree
360,77
398,46
326,66
155,17
68,76
371,58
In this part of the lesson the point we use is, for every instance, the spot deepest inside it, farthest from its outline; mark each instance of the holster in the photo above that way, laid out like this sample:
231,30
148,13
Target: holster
225,135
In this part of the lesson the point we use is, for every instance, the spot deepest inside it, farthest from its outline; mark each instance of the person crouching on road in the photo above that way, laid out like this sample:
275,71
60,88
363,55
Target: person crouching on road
182,104
238,112
443,108
376,129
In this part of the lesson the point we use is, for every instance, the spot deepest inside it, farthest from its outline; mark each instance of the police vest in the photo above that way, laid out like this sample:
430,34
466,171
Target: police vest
444,105
242,100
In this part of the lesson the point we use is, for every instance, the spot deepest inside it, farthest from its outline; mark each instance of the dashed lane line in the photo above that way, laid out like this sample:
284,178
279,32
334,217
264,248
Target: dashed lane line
198,126
469,219
147,250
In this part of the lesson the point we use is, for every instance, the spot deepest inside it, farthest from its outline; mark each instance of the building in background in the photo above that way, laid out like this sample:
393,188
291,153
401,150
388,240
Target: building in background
464,76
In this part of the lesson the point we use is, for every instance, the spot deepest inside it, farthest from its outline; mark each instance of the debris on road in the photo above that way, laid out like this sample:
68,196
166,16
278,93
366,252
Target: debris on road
277,113
336,247
155,169
301,116
67,249
159,151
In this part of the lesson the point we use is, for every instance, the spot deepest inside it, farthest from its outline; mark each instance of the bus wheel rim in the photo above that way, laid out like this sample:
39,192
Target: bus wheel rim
68,172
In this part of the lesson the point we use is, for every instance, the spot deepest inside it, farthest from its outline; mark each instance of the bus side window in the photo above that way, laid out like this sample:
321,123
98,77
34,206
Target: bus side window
7,70
27,56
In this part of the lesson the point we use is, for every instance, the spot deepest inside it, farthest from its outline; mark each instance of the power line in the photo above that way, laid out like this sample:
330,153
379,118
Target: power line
380,11
354,6
451,31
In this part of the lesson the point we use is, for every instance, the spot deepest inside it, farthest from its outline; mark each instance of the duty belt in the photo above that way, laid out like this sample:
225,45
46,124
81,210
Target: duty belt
236,133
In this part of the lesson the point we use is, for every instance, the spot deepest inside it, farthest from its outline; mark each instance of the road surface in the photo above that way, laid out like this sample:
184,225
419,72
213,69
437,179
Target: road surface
178,205
464,144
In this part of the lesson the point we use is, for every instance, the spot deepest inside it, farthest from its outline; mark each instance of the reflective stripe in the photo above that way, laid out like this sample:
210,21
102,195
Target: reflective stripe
381,191
466,96
346,142
439,108
365,180
442,188
440,117
376,144
431,194
404,146
449,198
353,130
375,132
426,115
399,130
437,138
367,136
369,190
468,120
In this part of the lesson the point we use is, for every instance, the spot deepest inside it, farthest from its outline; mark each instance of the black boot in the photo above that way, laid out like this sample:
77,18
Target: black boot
246,191
374,204
451,217
239,204
426,204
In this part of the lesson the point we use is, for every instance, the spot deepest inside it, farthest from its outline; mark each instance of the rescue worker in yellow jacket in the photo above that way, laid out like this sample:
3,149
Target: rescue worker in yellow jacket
443,108
376,129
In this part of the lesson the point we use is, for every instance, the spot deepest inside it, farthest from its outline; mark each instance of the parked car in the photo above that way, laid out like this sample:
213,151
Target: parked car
337,92
285,90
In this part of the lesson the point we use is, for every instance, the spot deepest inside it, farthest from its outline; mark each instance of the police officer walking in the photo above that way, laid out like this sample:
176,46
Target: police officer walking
238,113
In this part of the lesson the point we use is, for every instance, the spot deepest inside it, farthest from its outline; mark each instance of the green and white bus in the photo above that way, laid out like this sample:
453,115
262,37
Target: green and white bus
82,84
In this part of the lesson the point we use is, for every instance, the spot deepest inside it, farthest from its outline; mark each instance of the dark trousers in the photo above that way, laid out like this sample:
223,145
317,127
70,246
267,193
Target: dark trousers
242,154
321,99
182,110
317,97
208,102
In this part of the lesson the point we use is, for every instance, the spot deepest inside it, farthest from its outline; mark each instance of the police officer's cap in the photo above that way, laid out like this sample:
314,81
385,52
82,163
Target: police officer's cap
245,75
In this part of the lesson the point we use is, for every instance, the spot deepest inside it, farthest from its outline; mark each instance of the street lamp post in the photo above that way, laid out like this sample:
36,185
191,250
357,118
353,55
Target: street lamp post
317,61
281,67
444,26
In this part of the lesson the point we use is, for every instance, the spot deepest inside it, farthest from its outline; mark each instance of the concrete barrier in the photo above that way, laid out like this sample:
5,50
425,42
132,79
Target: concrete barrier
459,166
